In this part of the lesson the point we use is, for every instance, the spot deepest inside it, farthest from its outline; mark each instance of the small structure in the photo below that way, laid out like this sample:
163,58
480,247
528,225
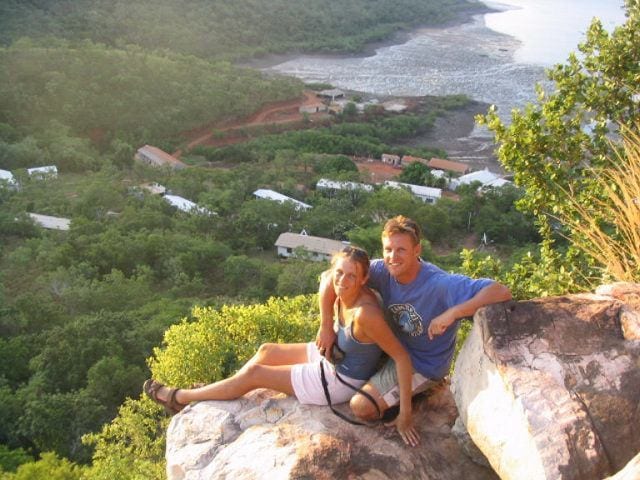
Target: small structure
497,183
319,248
395,106
484,177
49,222
7,179
331,94
185,205
326,184
426,194
408,160
154,188
157,158
314,107
267,194
43,173
390,159
448,165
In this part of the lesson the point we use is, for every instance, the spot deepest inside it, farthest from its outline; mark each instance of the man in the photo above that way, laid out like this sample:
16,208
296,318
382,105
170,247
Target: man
423,305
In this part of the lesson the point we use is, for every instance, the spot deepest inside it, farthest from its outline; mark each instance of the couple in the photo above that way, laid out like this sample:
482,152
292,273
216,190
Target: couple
422,303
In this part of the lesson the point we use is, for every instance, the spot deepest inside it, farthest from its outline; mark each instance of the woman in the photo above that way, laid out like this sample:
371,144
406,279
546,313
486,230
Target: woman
295,369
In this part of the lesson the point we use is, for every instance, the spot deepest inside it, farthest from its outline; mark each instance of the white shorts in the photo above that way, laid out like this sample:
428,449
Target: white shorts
307,383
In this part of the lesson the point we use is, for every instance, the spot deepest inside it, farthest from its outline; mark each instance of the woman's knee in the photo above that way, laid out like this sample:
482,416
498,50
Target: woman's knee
363,408
265,350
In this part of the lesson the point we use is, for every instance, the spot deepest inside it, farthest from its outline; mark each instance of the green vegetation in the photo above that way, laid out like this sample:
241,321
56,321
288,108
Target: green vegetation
83,311
55,96
558,148
224,29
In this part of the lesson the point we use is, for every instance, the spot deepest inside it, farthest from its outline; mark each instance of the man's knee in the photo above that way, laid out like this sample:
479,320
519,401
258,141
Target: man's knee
363,408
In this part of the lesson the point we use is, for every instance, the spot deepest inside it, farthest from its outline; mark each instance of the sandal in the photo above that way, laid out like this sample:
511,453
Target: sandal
171,405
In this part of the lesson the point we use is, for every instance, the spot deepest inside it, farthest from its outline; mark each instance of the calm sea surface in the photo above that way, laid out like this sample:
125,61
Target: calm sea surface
497,58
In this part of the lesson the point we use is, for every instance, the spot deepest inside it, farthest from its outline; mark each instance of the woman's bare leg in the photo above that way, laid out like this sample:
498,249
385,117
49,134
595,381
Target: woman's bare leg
279,354
250,377
270,367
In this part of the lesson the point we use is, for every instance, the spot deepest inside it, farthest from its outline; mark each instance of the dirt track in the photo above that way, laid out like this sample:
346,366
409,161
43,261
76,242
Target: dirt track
274,113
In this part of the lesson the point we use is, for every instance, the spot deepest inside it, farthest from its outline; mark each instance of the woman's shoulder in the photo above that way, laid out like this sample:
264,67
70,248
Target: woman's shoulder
369,305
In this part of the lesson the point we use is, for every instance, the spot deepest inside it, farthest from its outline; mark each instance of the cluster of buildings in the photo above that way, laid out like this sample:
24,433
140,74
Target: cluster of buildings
334,101
288,244
8,180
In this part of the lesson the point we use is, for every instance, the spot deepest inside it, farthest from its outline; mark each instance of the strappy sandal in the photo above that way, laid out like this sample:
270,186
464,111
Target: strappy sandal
171,405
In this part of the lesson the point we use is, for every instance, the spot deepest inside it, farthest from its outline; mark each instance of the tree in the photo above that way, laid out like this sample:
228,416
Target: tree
553,146
414,173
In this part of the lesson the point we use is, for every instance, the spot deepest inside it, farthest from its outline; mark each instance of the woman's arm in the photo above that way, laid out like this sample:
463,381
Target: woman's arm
326,297
375,328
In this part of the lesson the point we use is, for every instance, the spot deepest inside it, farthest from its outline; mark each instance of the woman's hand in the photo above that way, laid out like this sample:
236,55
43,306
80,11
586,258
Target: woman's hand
325,340
404,424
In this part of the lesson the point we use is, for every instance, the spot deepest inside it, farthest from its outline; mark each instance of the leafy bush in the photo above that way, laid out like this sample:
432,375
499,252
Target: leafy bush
220,341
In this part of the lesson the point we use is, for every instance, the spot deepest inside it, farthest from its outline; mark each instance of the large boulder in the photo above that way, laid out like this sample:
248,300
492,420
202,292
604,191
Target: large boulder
550,388
269,435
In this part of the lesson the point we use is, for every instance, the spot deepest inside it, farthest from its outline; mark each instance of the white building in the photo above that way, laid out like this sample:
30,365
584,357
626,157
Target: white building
50,223
426,194
49,171
267,194
326,184
485,177
7,178
319,248
185,205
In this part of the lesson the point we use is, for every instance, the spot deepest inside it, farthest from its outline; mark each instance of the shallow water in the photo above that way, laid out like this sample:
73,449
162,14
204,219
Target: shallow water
474,58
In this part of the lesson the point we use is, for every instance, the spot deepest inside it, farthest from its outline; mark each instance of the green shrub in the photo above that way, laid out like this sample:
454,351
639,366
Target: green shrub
220,341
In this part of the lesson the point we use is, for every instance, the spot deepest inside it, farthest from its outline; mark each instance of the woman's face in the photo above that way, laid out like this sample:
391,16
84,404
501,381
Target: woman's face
347,276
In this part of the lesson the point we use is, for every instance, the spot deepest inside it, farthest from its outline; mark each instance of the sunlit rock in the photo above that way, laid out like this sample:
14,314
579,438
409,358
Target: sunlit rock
550,388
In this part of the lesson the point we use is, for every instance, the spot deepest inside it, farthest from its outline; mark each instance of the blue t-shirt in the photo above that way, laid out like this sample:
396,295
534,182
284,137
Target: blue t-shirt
409,309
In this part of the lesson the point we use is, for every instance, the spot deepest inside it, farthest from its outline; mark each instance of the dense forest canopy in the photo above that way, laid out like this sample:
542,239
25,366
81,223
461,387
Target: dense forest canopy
84,83
222,29
118,95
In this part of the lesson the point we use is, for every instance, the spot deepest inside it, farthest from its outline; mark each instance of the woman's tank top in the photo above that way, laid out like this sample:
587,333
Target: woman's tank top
360,359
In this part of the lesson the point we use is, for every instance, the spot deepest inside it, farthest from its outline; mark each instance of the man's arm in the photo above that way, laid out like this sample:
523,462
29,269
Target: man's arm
327,296
494,293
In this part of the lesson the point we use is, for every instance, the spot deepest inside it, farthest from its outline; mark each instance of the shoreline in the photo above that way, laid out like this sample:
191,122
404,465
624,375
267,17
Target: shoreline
461,17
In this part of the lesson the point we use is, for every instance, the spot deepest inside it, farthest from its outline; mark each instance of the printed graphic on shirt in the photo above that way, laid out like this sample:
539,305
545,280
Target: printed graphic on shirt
406,318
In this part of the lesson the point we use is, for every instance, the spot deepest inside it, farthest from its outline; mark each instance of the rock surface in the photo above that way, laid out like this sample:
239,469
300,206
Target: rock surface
550,388
269,435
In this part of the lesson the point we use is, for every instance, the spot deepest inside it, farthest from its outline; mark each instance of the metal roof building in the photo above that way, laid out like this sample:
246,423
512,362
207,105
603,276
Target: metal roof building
426,194
267,194
319,248
49,222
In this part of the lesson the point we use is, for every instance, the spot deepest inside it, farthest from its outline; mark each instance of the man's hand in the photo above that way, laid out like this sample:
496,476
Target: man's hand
325,339
406,430
440,324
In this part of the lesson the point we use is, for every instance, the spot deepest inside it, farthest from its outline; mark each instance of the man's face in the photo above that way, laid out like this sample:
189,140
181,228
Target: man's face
400,256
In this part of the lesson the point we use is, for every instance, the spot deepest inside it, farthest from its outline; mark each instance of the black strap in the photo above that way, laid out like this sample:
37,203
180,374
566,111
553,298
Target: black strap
325,387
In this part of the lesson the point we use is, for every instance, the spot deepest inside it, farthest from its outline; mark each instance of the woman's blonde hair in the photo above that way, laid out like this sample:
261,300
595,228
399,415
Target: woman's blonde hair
355,254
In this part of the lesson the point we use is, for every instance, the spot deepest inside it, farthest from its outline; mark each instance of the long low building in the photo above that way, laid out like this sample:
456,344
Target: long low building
484,177
319,248
326,184
426,194
158,158
267,194
50,223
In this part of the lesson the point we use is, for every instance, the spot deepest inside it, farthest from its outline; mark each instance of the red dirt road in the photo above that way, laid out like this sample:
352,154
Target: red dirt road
275,113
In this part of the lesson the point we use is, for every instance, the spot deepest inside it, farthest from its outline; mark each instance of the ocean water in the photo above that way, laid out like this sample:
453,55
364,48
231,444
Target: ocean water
497,58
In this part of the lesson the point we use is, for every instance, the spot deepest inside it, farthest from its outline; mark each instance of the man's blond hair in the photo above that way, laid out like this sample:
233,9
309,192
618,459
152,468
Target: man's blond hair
402,224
